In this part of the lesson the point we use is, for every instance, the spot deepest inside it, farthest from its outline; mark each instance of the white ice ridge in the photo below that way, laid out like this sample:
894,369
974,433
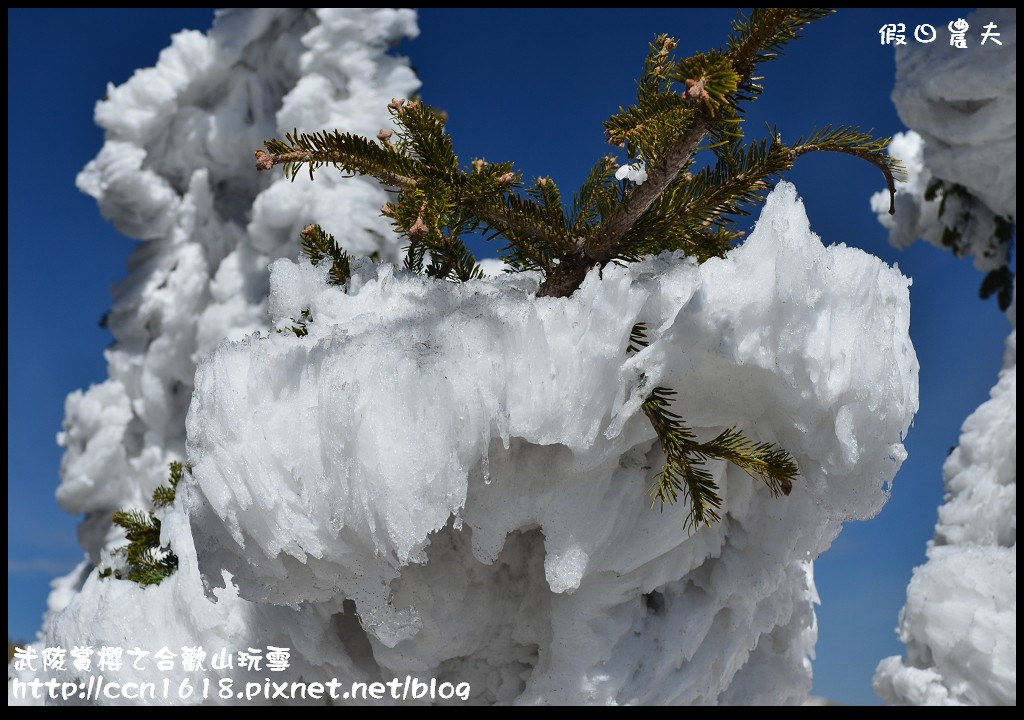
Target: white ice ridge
961,106
464,466
959,622
448,480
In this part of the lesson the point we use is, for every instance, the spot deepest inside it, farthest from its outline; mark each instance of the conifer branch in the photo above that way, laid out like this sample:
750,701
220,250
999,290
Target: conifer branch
145,561
267,161
685,473
507,222
763,35
318,245
880,163
640,199
679,104
851,141
999,281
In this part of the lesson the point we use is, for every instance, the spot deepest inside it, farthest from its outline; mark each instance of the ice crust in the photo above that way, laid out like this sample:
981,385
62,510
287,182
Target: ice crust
448,480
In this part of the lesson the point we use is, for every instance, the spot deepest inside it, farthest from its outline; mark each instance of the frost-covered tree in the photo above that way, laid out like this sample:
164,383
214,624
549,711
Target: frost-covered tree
961,190
960,619
417,471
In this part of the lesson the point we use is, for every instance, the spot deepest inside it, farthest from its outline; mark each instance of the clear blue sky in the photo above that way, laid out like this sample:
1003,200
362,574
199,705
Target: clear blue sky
532,86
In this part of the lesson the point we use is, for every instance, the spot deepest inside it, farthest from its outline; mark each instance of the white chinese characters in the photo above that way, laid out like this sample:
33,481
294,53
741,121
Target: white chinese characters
958,33
896,33
192,659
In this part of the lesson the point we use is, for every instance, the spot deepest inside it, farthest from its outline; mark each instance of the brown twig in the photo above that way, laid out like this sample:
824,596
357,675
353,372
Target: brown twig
873,158
568,275
266,161
640,199
500,219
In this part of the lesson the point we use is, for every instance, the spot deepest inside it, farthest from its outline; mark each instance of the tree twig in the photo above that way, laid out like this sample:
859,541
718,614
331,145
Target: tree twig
872,158
500,219
266,161
640,199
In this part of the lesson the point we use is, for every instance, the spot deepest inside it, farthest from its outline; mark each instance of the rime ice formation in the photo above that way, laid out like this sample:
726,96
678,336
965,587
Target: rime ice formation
962,107
177,172
466,464
960,619
448,480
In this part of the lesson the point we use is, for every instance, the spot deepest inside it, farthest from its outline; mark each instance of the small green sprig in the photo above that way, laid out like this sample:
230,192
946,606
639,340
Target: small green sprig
144,560
685,473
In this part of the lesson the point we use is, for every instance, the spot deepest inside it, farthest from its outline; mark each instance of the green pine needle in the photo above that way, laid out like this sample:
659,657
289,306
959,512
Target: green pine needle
680,104
685,475
318,245
144,560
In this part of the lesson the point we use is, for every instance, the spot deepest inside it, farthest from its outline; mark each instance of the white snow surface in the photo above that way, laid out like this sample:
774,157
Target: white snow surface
448,480
177,172
962,107
637,172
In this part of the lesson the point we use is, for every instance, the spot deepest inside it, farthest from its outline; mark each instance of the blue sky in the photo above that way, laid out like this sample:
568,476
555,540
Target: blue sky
535,89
